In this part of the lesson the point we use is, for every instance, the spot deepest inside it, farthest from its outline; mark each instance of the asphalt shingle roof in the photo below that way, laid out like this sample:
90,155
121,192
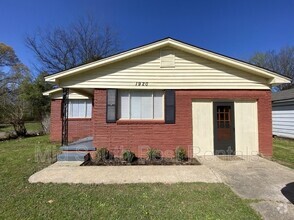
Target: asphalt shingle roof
282,95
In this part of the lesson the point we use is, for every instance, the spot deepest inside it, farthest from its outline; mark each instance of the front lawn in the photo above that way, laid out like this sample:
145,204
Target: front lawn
21,200
283,152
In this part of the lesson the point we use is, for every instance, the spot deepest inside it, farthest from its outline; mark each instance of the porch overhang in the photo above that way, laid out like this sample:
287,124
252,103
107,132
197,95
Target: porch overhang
74,93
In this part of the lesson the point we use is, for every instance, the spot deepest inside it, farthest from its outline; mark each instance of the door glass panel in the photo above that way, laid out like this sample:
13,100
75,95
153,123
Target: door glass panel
223,122
223,116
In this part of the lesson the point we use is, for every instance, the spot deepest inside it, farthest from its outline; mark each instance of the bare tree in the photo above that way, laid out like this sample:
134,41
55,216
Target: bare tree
13,106
7,56
8,59
20,93
59,49
281,62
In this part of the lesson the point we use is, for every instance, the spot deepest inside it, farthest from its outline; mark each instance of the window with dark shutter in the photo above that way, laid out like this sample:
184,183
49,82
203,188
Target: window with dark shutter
140,104
170,107
111,111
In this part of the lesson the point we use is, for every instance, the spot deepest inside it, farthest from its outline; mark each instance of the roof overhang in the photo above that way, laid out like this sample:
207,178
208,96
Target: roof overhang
51,92
273,78
82,92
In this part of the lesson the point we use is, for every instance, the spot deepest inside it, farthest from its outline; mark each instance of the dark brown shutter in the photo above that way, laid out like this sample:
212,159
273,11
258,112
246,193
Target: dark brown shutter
170,107
111,106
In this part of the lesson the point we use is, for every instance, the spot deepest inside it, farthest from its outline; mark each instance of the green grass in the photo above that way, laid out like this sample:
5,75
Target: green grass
283,152
30,126
21,200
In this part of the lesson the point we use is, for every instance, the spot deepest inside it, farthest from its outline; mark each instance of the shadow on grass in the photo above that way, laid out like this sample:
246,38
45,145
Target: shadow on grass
2,126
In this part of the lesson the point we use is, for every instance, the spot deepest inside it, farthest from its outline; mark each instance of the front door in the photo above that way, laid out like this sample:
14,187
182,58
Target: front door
224,128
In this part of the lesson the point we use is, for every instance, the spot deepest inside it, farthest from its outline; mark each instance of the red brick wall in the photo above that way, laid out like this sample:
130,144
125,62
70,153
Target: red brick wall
265,124
137,136
77,128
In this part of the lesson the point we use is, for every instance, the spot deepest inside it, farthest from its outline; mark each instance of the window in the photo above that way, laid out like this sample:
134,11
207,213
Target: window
79,108
140,104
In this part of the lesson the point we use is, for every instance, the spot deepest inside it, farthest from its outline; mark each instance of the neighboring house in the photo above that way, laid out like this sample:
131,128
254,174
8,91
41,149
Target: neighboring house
163,95
283,113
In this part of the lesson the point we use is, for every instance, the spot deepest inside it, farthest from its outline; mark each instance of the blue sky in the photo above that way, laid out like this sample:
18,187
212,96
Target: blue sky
236,28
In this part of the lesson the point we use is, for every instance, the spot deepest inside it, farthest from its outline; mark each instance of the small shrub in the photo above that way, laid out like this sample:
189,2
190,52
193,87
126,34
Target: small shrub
180,154
102,154
128,156
153,154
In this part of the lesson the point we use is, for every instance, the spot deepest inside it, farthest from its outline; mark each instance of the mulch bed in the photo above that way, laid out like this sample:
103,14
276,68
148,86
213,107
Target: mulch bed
141,161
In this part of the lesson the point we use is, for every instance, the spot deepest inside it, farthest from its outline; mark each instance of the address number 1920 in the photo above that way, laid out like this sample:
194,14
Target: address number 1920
141,84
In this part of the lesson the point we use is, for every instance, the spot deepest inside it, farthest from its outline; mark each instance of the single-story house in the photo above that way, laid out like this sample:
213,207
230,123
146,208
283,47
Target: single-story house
283,113
163,95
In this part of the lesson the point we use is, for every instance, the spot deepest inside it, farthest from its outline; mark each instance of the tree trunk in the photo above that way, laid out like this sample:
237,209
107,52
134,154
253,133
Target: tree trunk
46,123
19,127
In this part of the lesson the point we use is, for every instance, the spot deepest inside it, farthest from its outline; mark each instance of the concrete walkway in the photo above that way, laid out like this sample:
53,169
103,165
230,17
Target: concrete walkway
259,179
267,182
71,172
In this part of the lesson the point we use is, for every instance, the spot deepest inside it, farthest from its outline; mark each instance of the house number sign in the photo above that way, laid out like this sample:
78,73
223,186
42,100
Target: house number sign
141,84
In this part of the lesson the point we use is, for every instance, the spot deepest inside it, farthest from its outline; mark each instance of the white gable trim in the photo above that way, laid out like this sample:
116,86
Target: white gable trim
273,78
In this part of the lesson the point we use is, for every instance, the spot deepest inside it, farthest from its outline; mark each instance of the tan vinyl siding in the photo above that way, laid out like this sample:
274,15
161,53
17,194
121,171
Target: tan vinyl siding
189,72
167,58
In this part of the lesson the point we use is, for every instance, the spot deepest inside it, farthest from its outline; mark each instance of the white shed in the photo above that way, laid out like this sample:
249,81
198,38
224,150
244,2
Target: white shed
283,113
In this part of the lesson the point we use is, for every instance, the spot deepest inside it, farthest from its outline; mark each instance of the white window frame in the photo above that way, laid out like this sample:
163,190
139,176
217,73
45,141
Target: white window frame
129,98
86,102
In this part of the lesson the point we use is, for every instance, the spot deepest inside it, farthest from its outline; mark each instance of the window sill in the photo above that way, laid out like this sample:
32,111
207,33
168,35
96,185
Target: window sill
79,119
123,121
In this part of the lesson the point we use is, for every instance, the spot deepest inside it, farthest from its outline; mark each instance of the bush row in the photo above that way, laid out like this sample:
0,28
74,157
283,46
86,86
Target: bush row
129,156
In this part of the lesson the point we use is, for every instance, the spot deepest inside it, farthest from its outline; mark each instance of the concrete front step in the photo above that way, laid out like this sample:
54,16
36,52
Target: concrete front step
84,156
85,144
78,147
